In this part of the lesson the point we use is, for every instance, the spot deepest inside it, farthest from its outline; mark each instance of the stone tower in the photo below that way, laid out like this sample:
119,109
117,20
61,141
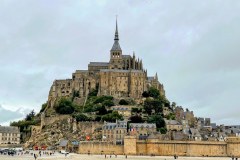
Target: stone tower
116,60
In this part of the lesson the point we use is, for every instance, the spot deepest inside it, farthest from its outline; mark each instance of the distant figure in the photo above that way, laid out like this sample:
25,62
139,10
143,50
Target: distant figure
232,157
175,157
35,156
105,156
126,156
115,155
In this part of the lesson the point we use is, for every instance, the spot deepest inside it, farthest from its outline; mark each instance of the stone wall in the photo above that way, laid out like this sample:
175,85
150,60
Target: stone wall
51,120
100,148
166,148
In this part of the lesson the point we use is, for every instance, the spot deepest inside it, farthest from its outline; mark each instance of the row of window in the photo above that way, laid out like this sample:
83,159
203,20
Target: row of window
9,134
5,139
117,131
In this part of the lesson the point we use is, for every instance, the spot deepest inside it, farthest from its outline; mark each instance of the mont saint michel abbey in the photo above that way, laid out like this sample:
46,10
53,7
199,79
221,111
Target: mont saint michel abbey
122,76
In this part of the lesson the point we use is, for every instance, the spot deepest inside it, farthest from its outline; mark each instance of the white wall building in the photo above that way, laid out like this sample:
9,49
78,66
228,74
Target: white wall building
9,135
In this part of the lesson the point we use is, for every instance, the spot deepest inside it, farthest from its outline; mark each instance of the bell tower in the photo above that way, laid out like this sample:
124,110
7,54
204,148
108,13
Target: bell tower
116,61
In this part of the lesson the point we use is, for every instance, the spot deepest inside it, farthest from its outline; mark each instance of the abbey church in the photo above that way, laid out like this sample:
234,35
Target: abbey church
123,76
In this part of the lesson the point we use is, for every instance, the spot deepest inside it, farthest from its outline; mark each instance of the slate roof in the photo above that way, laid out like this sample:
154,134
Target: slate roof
126,56
63,143
9,129
144,125
120,70
150,78
81,71
116,46
194,132
98,64
118,124
172,122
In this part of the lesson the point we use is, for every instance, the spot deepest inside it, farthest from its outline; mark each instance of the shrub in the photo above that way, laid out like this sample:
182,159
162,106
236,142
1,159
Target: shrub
44,105
64,106
81,117
136,119
153,92
123,102
145,94
93,93
112,117
158,119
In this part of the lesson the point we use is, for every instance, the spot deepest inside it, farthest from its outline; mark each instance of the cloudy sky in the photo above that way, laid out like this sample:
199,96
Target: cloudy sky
192,45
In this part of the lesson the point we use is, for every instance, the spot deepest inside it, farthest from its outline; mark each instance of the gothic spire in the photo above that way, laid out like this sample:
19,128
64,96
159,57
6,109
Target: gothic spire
116,32
116,45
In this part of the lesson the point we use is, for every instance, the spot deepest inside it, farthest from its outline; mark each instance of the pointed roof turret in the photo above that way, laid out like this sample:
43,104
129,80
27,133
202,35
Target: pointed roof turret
156,76
116,45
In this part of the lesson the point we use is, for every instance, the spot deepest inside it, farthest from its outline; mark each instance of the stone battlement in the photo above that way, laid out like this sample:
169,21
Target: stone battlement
132,146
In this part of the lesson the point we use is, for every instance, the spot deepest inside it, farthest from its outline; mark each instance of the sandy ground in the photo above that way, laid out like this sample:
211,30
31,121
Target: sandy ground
101,157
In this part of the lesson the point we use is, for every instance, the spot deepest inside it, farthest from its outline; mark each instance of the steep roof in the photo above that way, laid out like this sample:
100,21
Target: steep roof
98,64
126,56
63,143
116,45
9,129
144,125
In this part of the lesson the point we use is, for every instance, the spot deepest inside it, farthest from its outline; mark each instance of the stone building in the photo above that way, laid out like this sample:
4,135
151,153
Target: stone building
124,110
173,125
114,132
9,135
142,130
122,76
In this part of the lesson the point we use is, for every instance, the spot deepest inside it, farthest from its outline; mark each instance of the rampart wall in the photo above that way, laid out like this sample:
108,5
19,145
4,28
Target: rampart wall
165,148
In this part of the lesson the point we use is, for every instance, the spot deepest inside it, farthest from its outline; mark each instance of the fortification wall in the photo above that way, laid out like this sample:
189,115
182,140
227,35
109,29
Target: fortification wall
181,148
165,148
100,148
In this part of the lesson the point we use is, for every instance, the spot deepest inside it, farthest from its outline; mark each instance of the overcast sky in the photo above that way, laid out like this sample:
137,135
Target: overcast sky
192,45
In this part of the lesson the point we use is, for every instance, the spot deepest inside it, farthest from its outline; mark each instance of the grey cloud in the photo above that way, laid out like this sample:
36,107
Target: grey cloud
193,47
8,115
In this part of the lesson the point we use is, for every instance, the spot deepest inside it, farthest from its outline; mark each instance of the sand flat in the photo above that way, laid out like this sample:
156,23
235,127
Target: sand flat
102,157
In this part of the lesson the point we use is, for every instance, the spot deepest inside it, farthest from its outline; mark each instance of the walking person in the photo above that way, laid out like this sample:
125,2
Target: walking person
35,156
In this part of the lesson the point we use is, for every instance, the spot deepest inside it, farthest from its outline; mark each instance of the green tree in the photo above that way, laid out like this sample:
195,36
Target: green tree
158,119
81,117
108,103
163,130
123,102
136,119
64,106
112,117
101,110
152,104
101,99
136,110
153,92
145,94
93,92
44,105
30,116
171,116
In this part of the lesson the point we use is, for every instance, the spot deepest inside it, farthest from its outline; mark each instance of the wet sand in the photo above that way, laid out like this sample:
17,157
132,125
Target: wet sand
102,157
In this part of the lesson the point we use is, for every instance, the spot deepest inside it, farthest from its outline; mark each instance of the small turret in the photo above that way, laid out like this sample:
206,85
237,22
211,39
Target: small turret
141,65
134,64
156,76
